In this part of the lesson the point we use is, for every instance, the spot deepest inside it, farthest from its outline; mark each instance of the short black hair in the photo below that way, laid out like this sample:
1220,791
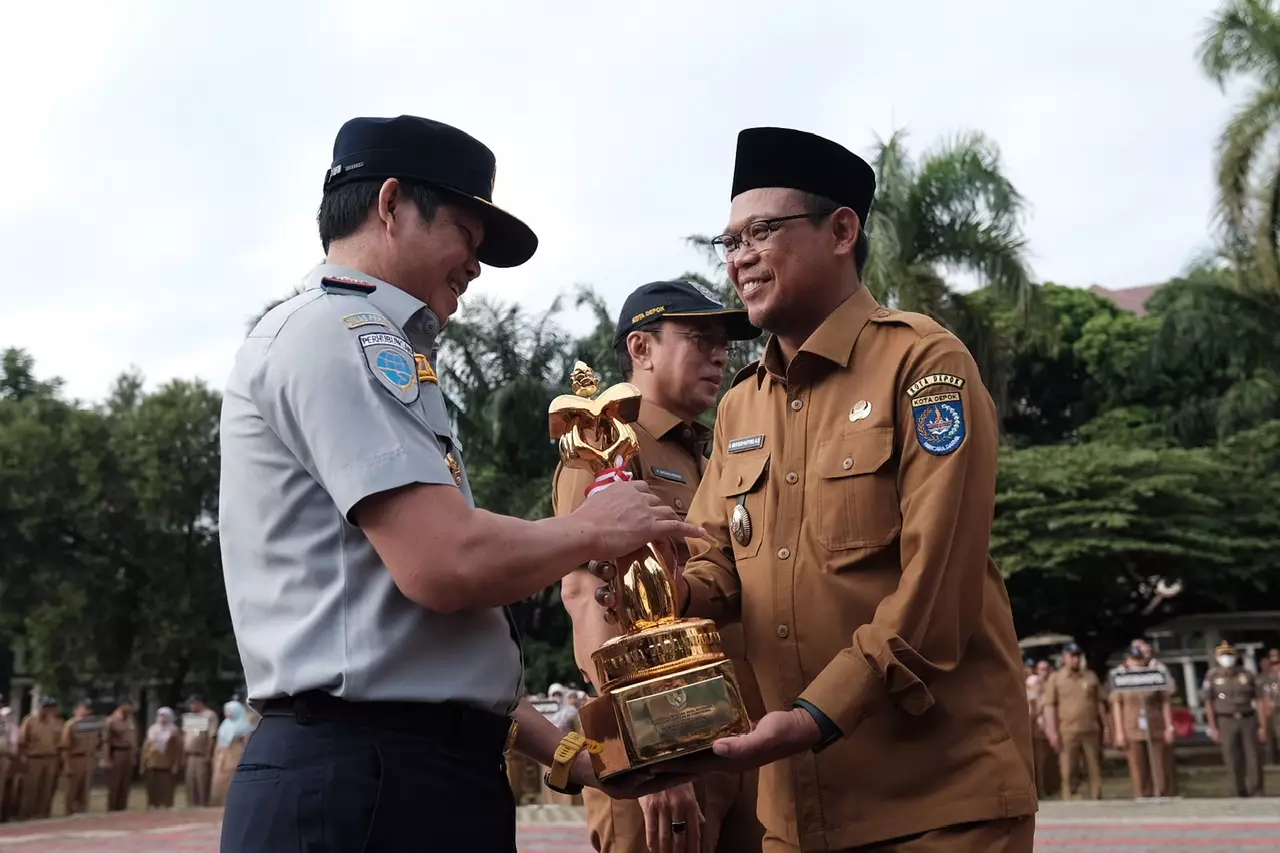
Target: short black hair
625,366
346,208
816,204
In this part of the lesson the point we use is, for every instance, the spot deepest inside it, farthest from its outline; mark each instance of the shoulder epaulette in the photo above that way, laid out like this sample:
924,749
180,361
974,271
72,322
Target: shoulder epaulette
749,370
342,283
922,323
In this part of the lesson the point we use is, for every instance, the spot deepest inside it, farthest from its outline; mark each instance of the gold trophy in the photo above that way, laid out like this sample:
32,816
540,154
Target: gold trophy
666,688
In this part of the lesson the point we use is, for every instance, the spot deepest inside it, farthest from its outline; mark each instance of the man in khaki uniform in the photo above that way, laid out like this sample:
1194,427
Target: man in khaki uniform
1170,764
1042,751
1269,705
38,740
848,502
1231,707
671,343
199,730
1075,721
1143,723
9,760
120,755
80,742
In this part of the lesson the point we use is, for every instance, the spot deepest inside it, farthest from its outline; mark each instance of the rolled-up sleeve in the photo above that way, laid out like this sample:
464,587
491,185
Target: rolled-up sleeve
947,501
316,390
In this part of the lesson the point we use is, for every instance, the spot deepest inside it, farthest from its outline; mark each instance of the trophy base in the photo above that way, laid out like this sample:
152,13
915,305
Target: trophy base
671,710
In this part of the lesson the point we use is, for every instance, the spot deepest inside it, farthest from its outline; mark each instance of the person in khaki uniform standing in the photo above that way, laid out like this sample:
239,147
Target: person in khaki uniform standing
1231,707
120,754
848,504
162,759
1143,723
199,728
38,740
1075,721
1269,705
80,742
671,342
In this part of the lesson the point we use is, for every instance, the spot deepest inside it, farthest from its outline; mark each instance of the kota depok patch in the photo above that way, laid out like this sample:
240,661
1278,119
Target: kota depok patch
939,421
934,379
390,361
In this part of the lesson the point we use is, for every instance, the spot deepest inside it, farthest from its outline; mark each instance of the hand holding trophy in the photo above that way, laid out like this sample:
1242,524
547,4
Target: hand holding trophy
666,688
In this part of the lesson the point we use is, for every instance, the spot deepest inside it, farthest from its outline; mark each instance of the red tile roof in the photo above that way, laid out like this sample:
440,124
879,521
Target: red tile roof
1130,298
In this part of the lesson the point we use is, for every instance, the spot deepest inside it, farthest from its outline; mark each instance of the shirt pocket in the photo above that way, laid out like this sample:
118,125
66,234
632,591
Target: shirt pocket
678,496
857,490
742,480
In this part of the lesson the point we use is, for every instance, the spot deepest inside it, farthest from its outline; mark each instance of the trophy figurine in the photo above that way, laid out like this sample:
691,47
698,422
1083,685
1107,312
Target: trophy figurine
666,690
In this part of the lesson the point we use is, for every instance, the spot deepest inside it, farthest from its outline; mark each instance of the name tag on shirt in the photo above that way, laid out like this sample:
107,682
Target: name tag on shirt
668,474
751,442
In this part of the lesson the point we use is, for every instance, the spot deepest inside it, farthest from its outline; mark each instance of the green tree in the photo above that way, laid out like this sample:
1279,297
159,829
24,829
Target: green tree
1085,532
1242,39
499,369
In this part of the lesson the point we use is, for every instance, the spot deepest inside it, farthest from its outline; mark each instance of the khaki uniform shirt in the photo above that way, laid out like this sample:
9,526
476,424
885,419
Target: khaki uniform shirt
81,737
39,738
1141,714
672,459
868,469
121,735
1075,694
197,741
1230,691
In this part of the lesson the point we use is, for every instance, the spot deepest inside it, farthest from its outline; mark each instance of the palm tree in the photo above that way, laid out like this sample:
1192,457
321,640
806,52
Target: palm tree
1243,40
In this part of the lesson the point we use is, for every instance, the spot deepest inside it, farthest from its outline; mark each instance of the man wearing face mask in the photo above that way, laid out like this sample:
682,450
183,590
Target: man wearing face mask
366,590
1231,707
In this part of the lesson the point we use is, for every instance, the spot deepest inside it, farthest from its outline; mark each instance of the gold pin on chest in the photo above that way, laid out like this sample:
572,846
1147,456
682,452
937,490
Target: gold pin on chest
740,522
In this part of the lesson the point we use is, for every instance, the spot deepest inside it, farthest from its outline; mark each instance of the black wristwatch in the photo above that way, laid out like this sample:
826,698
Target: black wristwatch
829,731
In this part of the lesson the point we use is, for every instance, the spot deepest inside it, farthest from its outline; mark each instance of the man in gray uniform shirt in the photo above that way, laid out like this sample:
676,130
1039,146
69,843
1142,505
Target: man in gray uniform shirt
366,590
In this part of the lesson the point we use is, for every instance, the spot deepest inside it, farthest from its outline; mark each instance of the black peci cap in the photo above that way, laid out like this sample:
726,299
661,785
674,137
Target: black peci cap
798,160
1071,649
660,300
447,159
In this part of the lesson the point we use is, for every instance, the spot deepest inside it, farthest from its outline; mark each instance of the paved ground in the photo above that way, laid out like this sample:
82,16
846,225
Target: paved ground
1109,826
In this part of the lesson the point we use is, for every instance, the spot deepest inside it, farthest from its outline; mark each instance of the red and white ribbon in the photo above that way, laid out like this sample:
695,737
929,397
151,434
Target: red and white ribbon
607,477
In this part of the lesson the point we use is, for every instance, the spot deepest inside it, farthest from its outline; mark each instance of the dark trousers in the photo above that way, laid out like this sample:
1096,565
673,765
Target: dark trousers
348,778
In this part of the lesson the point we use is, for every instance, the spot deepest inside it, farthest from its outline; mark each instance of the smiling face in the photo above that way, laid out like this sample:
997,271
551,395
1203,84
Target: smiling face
791,280
433,258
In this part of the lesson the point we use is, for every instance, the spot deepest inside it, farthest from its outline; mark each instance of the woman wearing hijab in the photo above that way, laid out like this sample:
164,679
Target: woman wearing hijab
233,733
161,759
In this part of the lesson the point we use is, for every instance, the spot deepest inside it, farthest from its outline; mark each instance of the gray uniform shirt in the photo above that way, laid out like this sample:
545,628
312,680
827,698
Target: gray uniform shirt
325,407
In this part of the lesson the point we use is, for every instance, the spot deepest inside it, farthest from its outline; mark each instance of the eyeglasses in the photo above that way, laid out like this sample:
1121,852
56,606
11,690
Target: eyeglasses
707,343
756,233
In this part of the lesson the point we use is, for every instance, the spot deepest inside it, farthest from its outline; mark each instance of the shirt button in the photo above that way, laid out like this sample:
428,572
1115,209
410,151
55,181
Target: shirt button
797,405
679,504
847,463
782,631
739,479
792,477
784,553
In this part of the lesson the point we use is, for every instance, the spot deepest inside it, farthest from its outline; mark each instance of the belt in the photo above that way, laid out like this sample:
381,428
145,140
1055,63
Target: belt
453,722
1237,715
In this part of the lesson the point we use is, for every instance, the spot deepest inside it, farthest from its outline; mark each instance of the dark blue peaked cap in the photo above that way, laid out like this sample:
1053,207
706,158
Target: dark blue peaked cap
443,157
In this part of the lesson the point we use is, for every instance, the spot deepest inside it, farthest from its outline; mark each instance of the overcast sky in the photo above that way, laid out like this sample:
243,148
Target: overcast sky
163,160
